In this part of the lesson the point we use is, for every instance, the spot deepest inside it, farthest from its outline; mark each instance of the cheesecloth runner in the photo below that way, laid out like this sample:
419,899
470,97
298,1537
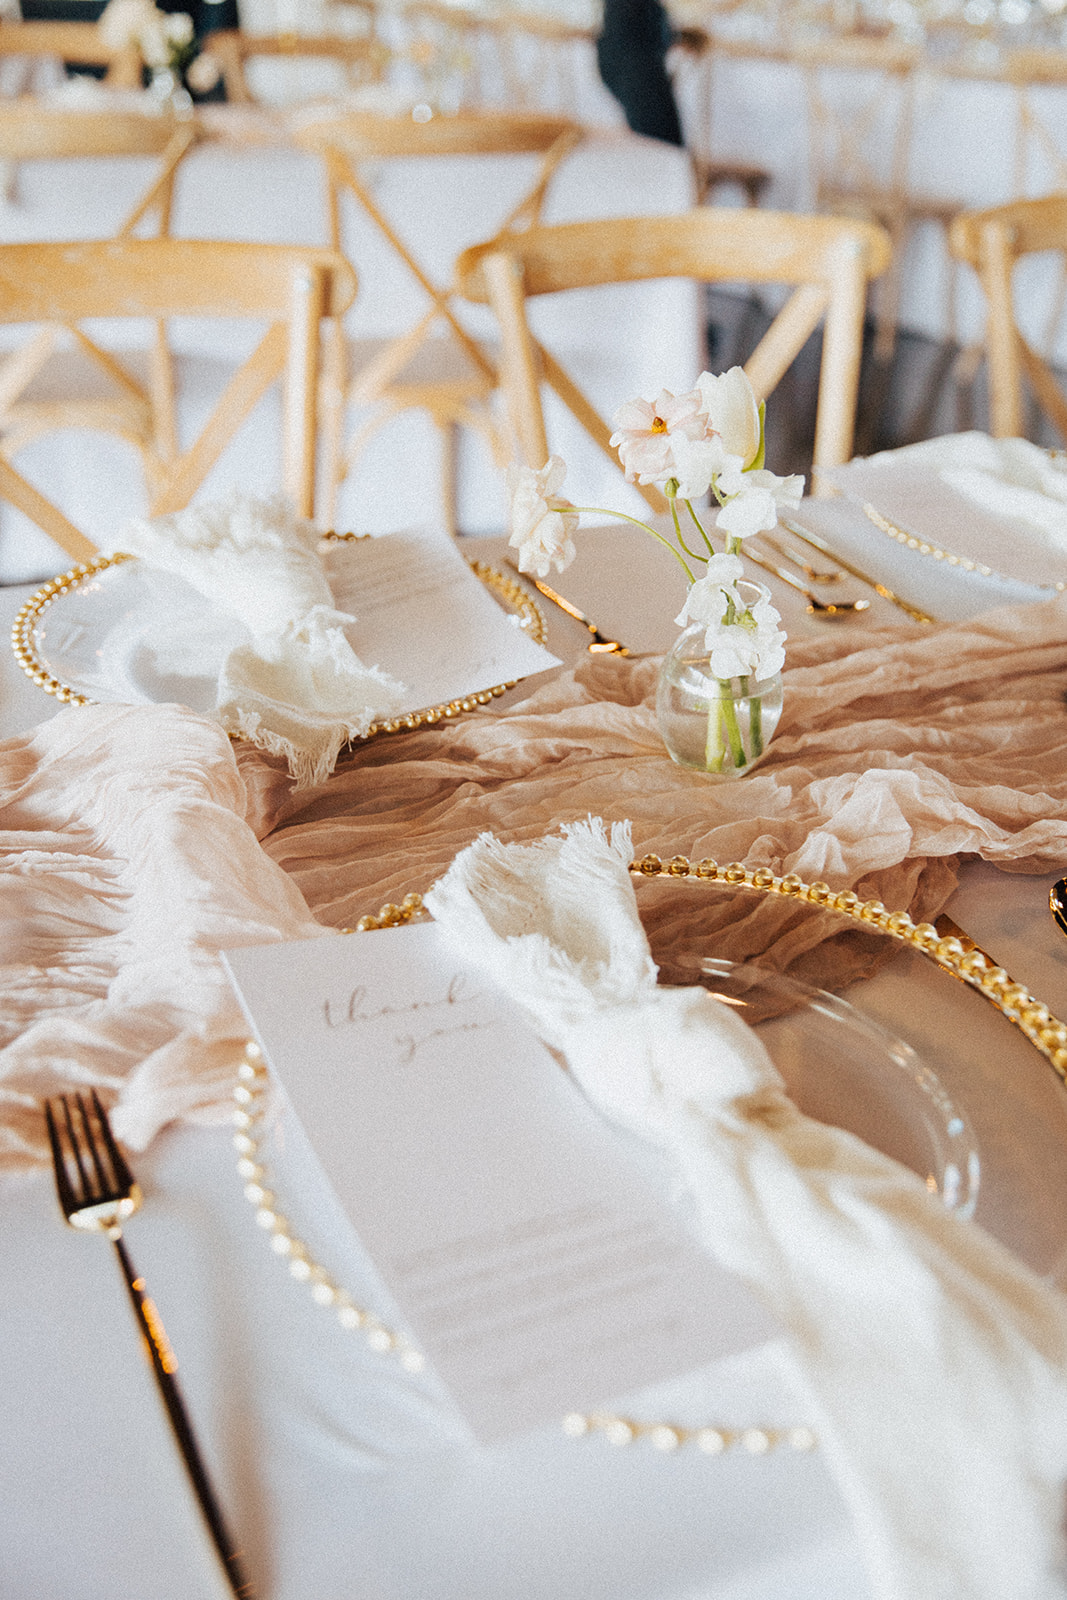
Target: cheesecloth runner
936,1364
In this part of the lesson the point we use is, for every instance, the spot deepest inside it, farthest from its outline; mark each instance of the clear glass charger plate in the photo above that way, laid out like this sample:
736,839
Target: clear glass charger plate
117,632
839,1068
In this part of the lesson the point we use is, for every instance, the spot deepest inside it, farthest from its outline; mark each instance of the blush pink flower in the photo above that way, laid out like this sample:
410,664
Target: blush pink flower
645,431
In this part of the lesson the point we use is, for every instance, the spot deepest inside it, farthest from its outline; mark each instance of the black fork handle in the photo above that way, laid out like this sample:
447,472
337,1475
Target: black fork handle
164,1367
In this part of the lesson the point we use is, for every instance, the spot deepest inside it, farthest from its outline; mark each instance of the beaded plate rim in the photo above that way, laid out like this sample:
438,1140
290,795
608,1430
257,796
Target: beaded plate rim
953,954
511,595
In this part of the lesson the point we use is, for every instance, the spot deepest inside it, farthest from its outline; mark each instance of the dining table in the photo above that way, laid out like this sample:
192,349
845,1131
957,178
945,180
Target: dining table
918,761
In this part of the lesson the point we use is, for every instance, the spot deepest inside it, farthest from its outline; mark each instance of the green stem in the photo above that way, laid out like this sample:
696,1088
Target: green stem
729,717
714,749
672,502
624,516
700,528
755,719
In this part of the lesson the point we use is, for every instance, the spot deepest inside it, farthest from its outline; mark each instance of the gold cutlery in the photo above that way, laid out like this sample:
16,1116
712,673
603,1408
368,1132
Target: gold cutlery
599,644
97,1193
812,574
883,589
1057,902
832,610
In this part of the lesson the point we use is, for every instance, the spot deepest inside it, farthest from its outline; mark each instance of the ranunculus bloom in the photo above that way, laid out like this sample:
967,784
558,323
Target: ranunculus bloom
754,499
542,526
732,411
646,430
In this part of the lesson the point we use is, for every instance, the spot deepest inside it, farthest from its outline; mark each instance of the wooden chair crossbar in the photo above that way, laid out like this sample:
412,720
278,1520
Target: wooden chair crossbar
992,242
460,399
144,416
827,263
291,288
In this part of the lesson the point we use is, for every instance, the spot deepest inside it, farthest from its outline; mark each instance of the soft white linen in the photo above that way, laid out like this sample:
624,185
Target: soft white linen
937,1365
1005,477
295,687
125,867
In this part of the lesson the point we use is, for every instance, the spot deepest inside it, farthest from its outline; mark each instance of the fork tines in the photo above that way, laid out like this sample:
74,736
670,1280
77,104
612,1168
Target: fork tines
95,1186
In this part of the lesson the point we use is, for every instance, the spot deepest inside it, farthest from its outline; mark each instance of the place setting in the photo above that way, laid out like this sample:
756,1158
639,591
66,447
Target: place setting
555,1003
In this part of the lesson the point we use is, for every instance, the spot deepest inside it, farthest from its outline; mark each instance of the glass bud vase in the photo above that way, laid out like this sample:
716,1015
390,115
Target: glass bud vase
717,726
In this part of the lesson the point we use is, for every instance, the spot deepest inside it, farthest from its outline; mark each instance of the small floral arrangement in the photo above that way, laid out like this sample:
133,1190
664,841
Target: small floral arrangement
166,40
707,443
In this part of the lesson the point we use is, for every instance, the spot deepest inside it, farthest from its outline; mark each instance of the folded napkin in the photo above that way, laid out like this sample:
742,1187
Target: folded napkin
294,686
1006,477
934,1362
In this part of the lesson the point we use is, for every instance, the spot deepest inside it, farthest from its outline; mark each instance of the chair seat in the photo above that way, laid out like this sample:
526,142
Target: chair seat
440,369
71,390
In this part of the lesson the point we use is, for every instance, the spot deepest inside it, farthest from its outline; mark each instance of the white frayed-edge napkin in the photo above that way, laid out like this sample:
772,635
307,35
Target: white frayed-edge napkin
935,1362
294,687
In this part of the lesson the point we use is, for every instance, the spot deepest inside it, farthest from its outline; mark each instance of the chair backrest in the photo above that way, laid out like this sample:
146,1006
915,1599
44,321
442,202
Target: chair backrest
291,288
31,132
78,42
363,56
992,241
827,262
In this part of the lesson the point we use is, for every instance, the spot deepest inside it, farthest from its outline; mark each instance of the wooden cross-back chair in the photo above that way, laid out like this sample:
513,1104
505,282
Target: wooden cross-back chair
826,261
106,395
451,377
79,43
862,94
993,241
290,287
363,57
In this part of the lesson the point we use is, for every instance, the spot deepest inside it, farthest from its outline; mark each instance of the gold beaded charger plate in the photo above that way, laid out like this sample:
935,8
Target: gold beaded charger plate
115,631
838,1066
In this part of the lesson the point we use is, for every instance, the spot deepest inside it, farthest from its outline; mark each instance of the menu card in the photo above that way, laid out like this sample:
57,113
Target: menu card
423,616
536,1265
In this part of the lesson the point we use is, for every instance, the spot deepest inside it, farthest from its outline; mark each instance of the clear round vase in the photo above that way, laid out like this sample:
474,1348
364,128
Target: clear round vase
719,726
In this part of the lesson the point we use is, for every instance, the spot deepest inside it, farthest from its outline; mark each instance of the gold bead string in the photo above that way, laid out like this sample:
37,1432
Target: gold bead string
250,1106
972,967
22,631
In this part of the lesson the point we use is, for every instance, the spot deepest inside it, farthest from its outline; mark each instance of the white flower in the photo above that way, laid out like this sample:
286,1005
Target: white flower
753,499
698,461
178,29
752,646
542,526
732,410
121,21
648,431
710,596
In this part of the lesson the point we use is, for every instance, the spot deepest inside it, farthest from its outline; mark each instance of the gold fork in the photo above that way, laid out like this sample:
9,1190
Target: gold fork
97,1193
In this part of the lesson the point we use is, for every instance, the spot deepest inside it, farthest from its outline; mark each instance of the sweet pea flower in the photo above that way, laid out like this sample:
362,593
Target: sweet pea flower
752,646
732,410
753,500
542,525
709,598
646,432
699,462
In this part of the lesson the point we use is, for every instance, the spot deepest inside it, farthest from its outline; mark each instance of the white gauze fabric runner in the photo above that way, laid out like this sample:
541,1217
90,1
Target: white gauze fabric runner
935,1363
295,687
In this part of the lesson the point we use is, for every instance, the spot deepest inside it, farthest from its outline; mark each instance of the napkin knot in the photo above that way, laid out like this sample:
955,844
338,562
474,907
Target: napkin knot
293,684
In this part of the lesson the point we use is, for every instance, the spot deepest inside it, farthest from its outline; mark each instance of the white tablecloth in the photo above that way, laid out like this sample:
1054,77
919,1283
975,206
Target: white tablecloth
301,1424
